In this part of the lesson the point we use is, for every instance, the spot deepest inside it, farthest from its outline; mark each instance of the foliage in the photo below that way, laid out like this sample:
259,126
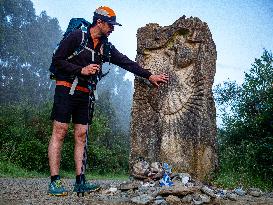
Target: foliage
27,42
120,95
8,169
26,132
24,136
246,136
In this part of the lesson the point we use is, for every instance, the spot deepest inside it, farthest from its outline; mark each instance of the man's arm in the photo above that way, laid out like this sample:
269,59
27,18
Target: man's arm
124,62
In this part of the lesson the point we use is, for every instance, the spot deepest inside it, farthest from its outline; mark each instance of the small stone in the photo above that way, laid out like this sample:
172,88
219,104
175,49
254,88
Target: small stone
190,184
196,202
177,191
217,201
130,191
239,191
200,199
173,200
183,177
129,185
232,196
187,199
254,192
205,199
208,191
142,199
113,189
221,193
159,200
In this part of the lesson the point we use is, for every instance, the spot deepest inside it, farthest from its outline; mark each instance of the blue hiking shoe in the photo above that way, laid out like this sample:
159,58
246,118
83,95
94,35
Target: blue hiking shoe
85,187
56,188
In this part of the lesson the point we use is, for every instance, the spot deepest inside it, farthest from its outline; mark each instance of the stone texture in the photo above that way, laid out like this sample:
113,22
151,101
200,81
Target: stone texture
177,122
255,192
173,200
129,185
208,191
177,191
143,199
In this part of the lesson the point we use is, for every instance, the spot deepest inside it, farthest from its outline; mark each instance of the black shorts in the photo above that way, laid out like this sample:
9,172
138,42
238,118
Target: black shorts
66,106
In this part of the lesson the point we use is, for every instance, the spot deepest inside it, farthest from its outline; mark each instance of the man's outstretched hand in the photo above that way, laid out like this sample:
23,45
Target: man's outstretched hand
156,80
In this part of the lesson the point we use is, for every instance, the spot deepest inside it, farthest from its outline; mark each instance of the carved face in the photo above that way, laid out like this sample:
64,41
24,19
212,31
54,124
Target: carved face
182,91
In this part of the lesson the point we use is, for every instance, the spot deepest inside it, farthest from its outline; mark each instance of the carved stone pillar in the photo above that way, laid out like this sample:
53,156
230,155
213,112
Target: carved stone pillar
177,122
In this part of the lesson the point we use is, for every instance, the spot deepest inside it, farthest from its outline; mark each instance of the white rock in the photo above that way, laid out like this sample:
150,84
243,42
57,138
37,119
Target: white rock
142,199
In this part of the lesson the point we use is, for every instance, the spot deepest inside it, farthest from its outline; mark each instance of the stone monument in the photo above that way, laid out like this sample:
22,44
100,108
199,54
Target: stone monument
176,123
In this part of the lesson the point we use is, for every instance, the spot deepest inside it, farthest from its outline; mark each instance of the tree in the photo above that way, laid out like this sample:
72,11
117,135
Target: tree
27,43
247,132
121,95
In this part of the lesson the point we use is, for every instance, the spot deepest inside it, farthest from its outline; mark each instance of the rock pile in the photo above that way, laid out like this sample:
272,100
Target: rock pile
184,191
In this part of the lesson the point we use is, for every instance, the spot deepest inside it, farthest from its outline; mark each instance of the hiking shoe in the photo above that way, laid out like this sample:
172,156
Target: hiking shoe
56,188
85,187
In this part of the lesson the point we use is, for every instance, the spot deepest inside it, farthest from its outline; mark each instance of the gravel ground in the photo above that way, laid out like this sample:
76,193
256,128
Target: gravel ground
34,191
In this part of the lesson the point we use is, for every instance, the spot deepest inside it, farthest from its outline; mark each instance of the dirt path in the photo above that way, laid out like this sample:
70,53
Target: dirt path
34,191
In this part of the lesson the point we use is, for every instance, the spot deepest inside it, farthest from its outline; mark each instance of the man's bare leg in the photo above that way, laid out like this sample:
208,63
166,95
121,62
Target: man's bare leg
81,185
55,146
80,137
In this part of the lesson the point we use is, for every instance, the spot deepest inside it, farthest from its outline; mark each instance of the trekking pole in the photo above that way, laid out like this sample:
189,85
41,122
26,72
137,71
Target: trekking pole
91,101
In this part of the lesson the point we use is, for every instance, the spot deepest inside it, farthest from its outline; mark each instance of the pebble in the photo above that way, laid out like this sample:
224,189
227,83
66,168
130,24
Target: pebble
142,199
208,191
187,199
159,200
200,199
173,200
240,191
232,196
255,192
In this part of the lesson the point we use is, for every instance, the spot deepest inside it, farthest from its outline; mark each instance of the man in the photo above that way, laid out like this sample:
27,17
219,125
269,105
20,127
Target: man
82,66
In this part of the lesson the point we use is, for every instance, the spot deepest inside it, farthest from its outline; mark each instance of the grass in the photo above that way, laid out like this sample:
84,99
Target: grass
9,170
231,180
95,176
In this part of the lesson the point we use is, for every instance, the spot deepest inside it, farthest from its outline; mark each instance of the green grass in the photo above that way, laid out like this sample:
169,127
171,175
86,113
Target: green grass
94,175
7,169
231,180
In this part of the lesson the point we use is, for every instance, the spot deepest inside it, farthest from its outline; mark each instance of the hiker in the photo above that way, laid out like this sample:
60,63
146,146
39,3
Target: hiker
73,73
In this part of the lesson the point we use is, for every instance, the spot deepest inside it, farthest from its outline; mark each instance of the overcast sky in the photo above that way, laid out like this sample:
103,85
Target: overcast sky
240,29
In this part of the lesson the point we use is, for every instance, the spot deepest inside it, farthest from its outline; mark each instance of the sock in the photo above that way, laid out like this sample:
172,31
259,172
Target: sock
80,179
55,177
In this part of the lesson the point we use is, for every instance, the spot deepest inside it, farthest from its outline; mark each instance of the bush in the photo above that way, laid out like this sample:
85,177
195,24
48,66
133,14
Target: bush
246,136
25,134
26,131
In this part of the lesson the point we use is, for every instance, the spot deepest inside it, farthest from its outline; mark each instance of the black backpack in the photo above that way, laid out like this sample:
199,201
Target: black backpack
81,23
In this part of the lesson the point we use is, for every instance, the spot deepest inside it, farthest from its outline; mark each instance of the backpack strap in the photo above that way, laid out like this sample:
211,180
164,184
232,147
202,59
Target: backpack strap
105,50
83,44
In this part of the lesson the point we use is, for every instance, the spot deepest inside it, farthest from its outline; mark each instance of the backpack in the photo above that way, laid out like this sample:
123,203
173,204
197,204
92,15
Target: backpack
81,23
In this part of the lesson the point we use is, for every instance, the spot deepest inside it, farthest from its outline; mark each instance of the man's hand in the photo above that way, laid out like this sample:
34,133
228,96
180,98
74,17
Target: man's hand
90,69
156,80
